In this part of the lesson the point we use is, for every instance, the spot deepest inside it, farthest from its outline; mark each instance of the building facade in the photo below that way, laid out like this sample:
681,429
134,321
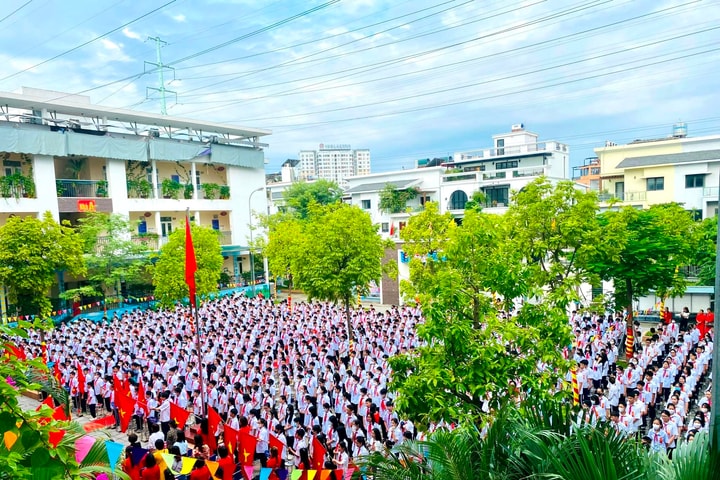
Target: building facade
73,157
334,162
515,159
678,169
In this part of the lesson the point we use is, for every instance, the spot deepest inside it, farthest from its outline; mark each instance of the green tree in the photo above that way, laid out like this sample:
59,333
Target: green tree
471,350
300,196
32,251
394,200
642,250
30,454
281,247
111,255
169,271
705,250
334,255
555,229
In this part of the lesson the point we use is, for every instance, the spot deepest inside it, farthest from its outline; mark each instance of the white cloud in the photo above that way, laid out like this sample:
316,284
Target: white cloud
130,34
180,18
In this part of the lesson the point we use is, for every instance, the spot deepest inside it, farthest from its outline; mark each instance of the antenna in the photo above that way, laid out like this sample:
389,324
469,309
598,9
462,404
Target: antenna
161,78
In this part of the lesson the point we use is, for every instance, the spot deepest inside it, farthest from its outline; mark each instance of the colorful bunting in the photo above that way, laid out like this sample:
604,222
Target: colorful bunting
282,473
324,474
82,447
114,449
295,474
265,473
59,414
212,466
10,438
311,474
137,454
349,473
187,463
248,470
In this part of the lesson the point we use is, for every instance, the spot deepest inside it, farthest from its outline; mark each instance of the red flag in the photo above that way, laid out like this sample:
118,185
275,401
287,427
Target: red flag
81,380
247,447
231,437
190,261
99,423
142,399
214,422
16,352
125,406
56,372
275,442
55,436
119,388
48,401
59,413
392,229
318,454
179,414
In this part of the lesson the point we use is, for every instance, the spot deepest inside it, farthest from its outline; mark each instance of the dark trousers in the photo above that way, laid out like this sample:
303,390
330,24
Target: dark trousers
92,410
262,457
165,427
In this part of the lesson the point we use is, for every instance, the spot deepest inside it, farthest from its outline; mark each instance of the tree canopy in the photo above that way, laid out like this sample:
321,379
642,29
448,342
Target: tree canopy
111,255
394,200
555,229
169,271
642,250
473,349
32,251
301,196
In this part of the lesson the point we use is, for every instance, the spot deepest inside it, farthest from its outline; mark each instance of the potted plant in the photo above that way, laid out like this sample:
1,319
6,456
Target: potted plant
189,190
17,181
59,188
101,188
224,192
143,188
28,186
5,187
211,190
171,188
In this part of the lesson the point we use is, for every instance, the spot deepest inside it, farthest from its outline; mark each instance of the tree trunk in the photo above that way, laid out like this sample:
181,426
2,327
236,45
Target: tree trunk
348,325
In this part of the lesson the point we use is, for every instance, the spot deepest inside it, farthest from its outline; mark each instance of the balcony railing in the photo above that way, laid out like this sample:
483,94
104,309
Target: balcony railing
512,150
459,177
494,175
81,188
225,237
710,192
529,172
635,196
606,197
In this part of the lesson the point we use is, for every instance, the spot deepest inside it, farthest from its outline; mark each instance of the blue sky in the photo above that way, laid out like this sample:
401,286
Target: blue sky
406,79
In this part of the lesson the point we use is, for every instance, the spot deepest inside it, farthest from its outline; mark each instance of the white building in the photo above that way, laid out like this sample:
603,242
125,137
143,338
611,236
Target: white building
77,157
334,162
515,159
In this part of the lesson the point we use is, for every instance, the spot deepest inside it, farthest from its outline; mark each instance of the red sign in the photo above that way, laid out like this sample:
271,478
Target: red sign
86,206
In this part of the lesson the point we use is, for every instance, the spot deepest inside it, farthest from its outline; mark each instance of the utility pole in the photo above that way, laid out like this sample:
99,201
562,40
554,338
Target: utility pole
160,67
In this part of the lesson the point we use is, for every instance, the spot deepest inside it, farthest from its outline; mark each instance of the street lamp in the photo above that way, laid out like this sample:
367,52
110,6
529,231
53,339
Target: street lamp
252,258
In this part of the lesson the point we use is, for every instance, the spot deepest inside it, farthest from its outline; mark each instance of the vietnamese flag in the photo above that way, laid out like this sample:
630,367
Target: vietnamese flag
59,413
275,442
231,438
318,454
16,352
247,447
179,414
48,401
119,388
56,372
214,422
190,261
81,380
142,398
125,406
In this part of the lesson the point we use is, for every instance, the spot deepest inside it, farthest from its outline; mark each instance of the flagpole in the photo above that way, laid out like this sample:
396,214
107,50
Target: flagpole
190,273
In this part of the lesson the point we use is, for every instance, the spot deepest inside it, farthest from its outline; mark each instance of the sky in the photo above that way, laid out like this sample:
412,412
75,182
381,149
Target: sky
407,79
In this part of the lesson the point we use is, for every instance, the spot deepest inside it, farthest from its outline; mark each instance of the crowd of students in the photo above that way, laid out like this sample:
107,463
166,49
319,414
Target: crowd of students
661,394
272,369
289,373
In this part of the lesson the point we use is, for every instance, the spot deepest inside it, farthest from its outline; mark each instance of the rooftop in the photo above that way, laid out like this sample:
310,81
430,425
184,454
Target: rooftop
669,159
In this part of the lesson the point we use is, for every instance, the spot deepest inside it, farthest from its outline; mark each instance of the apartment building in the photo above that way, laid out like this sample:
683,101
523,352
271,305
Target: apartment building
334,162
61,153
677,168
515,159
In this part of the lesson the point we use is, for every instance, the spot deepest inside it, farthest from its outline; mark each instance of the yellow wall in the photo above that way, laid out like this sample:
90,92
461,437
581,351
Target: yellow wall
610,157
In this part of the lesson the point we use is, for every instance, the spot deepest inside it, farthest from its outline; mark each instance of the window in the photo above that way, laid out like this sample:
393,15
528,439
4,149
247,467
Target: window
655,184
497,196
365,204
696,215
424,199
385,227
695,181
508,164
595,171
458,199
500,145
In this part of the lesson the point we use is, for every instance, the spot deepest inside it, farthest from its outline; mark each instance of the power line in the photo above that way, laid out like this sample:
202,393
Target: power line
15,11
87,43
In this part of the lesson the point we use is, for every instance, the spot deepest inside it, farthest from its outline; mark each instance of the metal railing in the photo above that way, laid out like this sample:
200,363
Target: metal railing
81,188
635,196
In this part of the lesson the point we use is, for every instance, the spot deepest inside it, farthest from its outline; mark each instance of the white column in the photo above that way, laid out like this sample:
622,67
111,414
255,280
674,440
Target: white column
117,186
45,190
197,218
193,173
154,181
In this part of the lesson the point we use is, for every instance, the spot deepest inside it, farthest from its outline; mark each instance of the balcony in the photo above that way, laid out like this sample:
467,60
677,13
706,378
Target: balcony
460,177
494,175
511,150
225,237
710,192
149,240
529,172
635,196
606,197
81,188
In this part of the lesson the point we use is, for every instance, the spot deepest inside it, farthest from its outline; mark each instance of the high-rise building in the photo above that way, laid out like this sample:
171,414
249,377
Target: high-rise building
334,162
